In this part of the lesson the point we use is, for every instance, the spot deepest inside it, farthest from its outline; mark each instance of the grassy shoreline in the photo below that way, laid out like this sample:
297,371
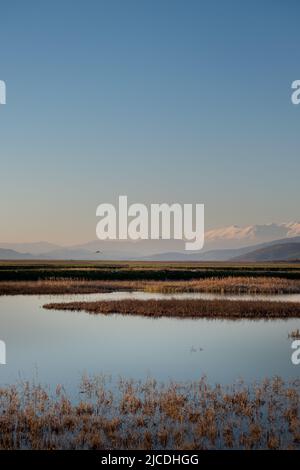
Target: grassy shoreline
186,308
138,271
148,415
227,285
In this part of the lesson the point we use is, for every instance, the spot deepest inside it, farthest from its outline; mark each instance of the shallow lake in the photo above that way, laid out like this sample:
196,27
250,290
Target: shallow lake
59,346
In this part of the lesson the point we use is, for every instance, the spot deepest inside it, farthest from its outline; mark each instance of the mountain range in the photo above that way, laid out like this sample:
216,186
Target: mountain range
268,242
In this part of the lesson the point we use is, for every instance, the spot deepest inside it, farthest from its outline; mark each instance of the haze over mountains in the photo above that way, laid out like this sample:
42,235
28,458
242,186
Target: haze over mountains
279,251
223,244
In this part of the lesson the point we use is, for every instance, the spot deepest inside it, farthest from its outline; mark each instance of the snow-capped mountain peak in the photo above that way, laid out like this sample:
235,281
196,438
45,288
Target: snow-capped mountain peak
235,236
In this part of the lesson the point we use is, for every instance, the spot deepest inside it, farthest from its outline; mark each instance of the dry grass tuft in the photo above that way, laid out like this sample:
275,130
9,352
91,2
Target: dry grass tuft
136,415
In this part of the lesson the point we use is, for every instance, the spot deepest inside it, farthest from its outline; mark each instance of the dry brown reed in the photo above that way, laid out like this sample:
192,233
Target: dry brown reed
226,285
147,415
186,308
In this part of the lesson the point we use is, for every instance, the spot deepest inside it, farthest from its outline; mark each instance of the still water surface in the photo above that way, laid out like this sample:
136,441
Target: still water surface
59,346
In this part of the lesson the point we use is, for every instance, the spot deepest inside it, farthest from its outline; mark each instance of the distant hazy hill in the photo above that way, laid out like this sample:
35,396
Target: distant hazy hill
222,244
225,238
277,252
213,255
12,254
218,255
34,248
69,253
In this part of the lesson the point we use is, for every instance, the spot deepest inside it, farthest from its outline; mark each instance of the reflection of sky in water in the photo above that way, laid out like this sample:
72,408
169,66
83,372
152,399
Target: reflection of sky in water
60,346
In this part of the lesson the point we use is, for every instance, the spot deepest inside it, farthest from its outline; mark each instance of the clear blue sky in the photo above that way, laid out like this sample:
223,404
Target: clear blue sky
165,101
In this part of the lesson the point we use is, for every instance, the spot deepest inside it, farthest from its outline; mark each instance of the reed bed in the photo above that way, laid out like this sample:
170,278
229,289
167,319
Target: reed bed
148,415
295,334
226,285
58,286
186,308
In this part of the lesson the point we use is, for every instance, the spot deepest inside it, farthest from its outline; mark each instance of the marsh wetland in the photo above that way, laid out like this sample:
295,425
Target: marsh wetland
169,363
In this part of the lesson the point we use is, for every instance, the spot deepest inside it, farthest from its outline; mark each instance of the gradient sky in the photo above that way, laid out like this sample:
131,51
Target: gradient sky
164,101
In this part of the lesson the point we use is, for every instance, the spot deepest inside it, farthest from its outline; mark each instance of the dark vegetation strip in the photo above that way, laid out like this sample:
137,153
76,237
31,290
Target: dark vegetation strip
22,274
193,308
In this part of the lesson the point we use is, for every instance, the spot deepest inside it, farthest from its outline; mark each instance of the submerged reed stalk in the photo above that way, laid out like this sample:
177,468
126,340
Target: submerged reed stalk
147,415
